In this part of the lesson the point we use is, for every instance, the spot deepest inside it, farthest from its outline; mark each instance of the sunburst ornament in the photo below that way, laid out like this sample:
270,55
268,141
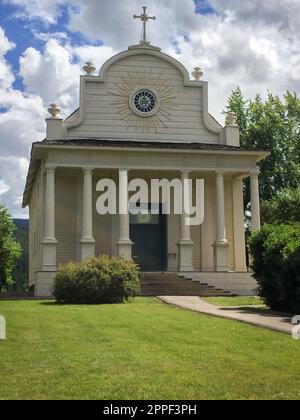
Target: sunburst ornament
144,100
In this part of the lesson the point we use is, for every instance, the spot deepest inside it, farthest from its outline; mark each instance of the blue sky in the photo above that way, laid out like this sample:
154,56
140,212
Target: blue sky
45,43
20,30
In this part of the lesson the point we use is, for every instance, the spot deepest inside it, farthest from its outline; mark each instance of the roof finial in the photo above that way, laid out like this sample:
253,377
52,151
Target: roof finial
197,73
54,110
144,18
89,68
231,119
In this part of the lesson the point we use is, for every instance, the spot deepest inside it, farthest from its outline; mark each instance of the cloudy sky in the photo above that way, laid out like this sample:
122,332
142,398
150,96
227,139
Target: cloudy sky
44,44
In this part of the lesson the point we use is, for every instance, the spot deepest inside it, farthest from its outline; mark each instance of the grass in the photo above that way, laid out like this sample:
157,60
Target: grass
234,301
140,350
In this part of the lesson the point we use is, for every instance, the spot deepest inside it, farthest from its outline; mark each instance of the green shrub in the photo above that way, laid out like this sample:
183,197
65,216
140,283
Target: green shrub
275,251
97,280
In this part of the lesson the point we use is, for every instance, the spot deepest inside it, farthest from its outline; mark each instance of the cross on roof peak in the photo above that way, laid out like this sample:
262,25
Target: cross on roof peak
144,18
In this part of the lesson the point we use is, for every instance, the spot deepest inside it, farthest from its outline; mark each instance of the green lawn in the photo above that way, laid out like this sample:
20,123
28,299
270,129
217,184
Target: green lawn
141,350
234,301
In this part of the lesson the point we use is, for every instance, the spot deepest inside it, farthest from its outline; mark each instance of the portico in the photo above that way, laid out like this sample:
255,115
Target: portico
213,244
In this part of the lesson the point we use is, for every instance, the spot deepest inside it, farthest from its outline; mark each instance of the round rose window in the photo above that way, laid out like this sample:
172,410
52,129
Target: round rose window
144,101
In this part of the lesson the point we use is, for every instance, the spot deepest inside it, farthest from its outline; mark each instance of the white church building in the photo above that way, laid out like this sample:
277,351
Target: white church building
143,117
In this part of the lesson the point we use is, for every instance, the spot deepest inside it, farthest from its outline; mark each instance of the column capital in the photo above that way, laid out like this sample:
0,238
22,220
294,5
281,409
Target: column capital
238,178
87,169
220,173
185,173
254,173
50,168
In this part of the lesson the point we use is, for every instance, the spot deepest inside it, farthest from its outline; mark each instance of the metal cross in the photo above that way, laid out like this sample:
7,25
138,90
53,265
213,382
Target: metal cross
144,18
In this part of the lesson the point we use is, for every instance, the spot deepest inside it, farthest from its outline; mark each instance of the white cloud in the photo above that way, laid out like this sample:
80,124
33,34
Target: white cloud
98,55
46,36
13,175
46,10
3,187
5,44
6,76
51,74
20,124
112,21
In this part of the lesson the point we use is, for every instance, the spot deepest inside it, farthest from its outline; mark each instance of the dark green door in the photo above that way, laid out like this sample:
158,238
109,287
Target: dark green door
148,234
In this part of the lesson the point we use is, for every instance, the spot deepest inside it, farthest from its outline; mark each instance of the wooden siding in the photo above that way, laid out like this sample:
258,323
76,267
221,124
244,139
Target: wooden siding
101,224
103,119
196,238
65,203
35,228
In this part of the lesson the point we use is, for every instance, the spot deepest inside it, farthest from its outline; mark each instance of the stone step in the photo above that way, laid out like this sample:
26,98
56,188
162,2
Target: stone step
151,294
181,287
170,284
184,289
151,282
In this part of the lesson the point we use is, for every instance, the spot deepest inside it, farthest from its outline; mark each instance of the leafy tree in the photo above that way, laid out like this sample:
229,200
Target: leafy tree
20,274
272,124
283,208
10,250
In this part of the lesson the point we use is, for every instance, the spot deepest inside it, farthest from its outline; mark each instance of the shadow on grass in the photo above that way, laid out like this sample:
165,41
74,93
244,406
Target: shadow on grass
52,303
55,303
259,311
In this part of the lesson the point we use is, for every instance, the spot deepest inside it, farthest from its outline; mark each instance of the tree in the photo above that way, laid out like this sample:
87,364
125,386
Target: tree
283,208
239,106
10,250
20,274
272,124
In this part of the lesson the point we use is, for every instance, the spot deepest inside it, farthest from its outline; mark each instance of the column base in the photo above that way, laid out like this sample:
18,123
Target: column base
125,248
87,248
241,269
185,254
221,256
43,284
49,254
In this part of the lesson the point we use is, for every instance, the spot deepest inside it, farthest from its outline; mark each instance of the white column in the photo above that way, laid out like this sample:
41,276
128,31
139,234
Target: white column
49,241
255,206
87,240
124,243
185,244
220,208
221,244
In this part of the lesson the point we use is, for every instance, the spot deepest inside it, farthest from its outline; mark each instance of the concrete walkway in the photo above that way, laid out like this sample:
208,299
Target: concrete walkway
253,316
